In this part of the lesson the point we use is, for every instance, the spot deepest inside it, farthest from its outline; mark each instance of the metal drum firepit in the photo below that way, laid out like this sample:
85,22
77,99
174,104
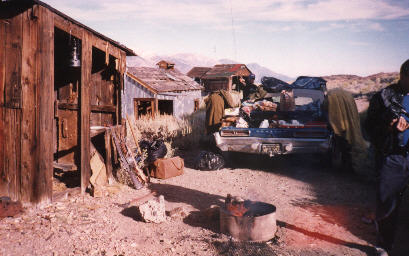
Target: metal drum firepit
258,224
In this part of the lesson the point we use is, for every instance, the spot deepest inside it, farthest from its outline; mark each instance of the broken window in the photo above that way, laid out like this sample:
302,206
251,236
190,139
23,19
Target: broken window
143,107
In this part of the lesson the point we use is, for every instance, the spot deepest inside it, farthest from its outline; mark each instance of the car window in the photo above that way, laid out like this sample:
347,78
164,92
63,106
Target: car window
300,101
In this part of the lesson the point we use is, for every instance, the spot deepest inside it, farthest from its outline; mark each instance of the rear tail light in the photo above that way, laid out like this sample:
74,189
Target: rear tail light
316,125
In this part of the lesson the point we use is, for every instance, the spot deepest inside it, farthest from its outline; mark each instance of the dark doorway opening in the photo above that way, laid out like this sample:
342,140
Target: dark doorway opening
165,107
67,82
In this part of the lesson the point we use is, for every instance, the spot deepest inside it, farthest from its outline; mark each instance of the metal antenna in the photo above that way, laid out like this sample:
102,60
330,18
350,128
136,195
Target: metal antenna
233,32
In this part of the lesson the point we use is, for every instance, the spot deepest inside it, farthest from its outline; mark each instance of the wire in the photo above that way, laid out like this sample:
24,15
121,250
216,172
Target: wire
233,32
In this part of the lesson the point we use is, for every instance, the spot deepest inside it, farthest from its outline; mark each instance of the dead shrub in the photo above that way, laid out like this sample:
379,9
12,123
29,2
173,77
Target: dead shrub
177,133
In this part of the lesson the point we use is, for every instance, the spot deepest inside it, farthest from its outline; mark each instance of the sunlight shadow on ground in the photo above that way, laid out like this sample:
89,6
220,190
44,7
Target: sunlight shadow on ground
364,248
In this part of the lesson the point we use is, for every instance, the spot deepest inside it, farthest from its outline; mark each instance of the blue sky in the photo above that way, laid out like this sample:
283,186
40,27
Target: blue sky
292,37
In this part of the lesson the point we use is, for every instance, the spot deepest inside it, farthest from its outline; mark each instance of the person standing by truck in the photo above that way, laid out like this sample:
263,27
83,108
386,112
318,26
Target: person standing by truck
387,127
216,103
250,90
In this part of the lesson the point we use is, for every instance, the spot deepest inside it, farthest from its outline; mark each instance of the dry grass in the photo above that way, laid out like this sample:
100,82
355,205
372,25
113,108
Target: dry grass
177,133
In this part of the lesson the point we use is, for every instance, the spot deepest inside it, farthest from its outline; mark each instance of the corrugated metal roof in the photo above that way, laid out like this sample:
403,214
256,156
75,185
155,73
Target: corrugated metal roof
198,72
21,3
225,70
161,80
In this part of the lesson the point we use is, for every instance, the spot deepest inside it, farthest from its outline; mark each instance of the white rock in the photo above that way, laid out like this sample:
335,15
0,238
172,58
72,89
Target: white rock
153,210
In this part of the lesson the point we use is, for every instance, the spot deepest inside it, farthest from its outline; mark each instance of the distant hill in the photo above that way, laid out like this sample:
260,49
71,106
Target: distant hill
358,84
186,61
353,83
261,71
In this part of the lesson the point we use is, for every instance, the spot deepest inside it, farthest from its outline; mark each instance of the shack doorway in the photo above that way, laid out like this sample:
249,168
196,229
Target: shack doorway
67,82
165,107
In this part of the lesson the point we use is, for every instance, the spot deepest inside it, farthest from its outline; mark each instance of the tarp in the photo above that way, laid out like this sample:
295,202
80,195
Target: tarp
272,84
307,82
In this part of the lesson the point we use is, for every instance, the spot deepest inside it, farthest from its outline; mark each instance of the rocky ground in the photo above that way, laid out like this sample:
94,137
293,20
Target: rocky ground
318,213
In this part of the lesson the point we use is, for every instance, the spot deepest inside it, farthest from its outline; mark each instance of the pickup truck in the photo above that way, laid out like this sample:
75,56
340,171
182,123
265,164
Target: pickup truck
303,130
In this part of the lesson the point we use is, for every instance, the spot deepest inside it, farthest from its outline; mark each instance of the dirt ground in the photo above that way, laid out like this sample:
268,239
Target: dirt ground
318,213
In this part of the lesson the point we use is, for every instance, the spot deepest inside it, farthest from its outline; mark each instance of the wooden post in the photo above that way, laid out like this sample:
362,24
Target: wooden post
86,64
29,102
45,97
108,154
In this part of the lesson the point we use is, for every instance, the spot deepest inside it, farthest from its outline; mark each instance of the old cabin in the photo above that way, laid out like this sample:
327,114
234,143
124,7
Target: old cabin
224,76
162,90
197,73
60,84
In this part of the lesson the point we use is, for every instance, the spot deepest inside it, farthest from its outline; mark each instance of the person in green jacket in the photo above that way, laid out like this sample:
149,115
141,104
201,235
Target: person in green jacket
216,103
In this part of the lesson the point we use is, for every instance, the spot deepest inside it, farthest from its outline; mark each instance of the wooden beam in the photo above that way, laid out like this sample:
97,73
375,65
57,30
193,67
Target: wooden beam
29,102
42,189
77,31
68,106
108,154
105,46
108,109
94,108
3,181
67,26
86,65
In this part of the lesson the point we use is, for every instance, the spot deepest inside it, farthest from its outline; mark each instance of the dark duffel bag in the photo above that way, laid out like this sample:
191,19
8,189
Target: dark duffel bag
164,168
209,161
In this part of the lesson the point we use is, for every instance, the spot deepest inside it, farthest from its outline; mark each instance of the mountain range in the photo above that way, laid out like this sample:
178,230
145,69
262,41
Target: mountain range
186,61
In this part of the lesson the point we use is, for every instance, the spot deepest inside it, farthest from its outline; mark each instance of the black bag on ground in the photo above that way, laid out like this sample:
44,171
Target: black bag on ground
156,149
209,161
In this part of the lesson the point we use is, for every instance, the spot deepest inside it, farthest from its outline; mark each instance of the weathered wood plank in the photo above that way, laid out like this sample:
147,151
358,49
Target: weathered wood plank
12,89
2,62
29,118
3,181
106,108
95,97
45,97
106,46
67,26
108,154
120,87
68,136
86,65
11,169
76,31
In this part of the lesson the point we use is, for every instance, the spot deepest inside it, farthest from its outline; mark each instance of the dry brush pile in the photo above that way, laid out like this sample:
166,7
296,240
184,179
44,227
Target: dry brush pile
177,134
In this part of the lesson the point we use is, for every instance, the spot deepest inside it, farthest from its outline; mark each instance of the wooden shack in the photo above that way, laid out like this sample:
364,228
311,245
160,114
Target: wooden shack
58,79
224,76
197,73
151,91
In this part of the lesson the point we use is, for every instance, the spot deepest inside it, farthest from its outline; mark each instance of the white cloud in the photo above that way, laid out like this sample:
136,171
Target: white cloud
214,11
